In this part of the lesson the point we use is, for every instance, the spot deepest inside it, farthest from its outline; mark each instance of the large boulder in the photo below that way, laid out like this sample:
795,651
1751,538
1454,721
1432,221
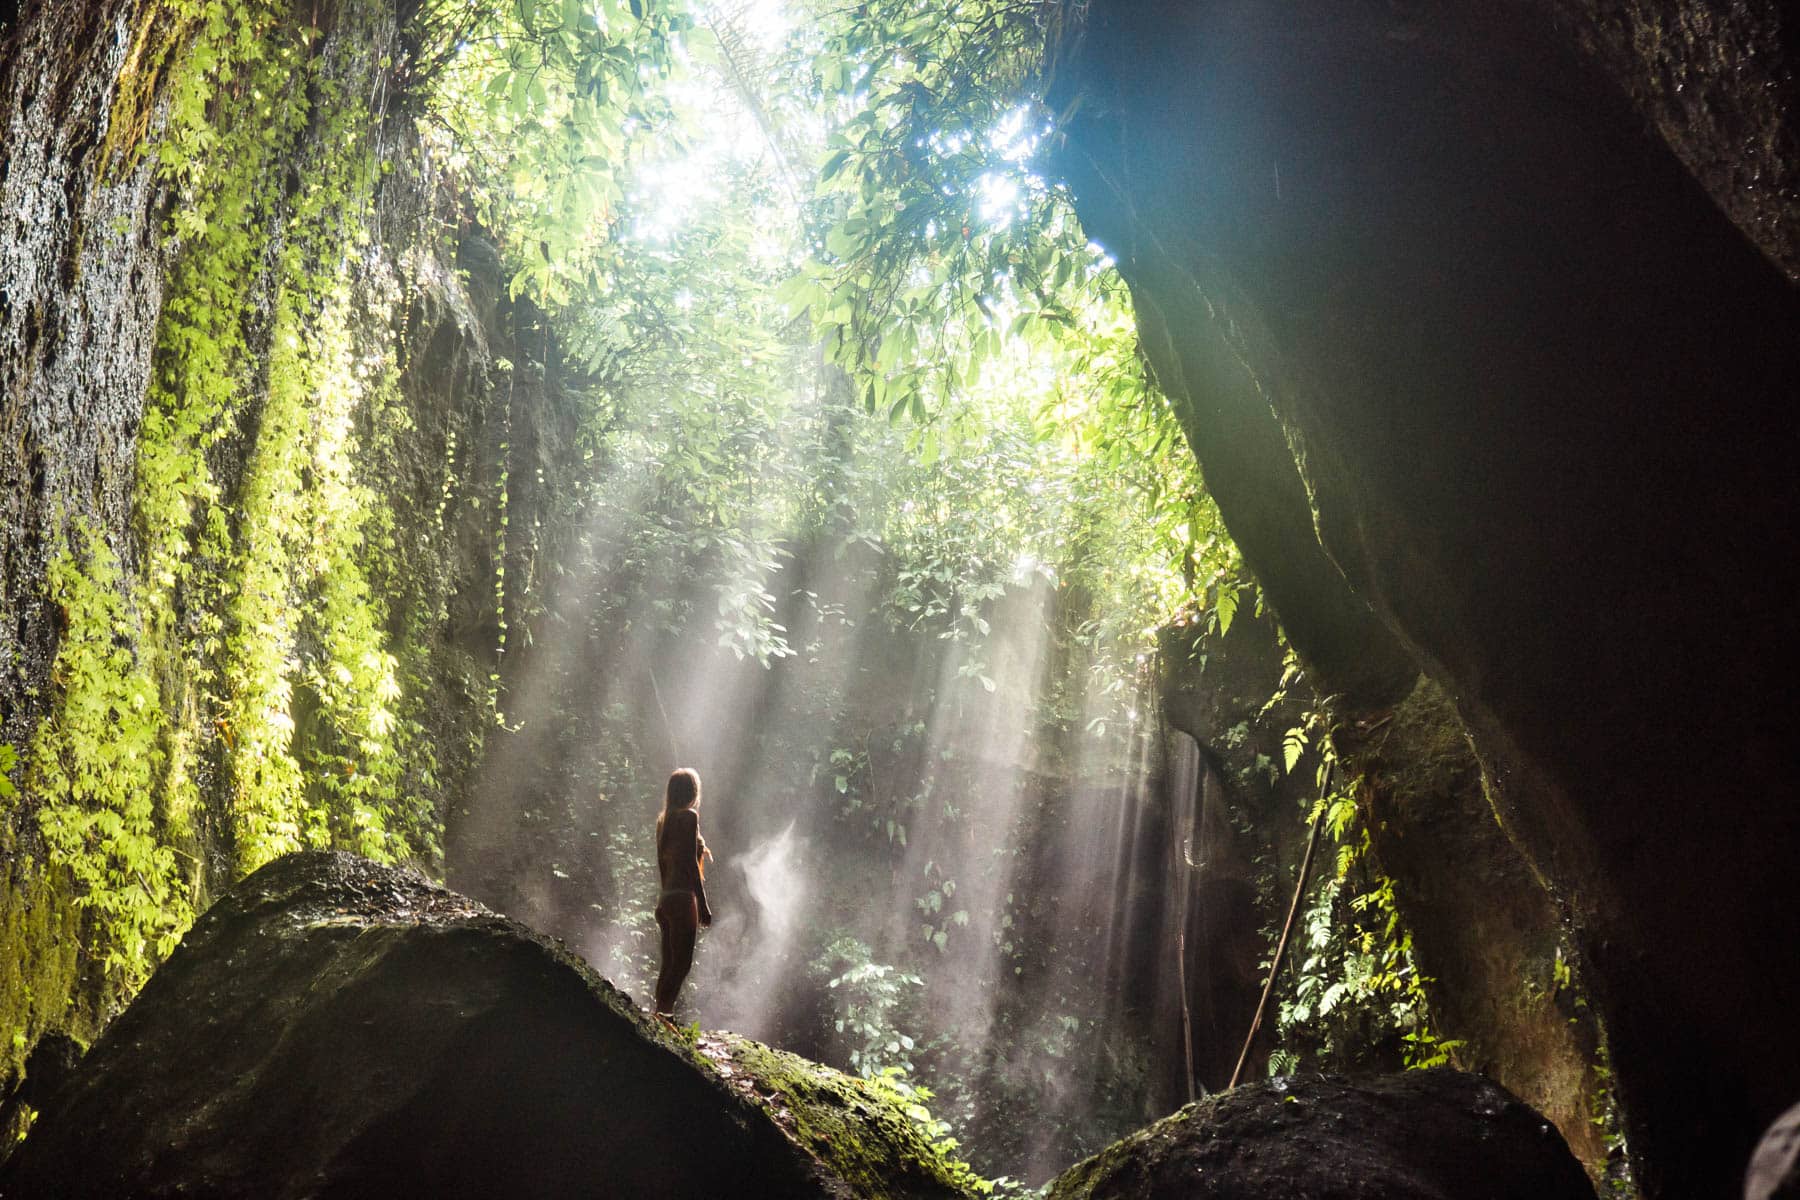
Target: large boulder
336,1028
1420,1135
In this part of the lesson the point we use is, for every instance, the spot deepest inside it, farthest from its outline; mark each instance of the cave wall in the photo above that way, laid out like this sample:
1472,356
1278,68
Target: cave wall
1488,940
1534,388
68,407
81,284
1717,82
247,387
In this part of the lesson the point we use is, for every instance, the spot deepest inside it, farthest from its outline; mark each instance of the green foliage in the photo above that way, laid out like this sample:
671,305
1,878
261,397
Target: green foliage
1616,1179
954,285
220,170
279,580
338,780
1048,456
930,214
248,647
93,770
1352,988
870,998
542,103
946,272
892,1083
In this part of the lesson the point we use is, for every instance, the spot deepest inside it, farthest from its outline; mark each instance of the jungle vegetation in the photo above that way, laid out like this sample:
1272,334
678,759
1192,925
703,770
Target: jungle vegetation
806,300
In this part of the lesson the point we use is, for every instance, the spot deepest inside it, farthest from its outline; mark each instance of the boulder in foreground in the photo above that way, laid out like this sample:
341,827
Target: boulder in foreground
336,1028
1420,1135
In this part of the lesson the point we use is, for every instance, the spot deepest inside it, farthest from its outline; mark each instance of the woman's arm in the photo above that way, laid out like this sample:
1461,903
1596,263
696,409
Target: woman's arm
701,854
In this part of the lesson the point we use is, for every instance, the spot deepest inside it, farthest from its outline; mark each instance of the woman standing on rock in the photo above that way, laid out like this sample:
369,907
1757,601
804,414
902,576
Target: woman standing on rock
681,911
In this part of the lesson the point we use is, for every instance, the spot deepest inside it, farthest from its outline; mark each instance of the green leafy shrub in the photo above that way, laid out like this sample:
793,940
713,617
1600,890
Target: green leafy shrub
1351,990
93,770
870,999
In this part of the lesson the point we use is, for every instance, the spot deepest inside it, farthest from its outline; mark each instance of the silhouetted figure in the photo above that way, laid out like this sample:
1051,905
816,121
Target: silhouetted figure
681,911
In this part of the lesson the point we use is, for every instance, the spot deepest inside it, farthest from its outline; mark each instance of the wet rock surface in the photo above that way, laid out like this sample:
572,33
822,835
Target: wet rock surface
81,277
335,1028
1420,1135
1717,81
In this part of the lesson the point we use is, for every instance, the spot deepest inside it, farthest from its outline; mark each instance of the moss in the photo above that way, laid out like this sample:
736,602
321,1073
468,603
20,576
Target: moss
42,934
1489,938
228,684
861,1130
91,772
1080,1180
1438,754
162,29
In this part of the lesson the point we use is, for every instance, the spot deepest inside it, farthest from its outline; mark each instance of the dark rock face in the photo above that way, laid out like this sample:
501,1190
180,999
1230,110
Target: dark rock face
334,1028
1457,337
1719,83
1421,1135
81,274
52,1063
1485,933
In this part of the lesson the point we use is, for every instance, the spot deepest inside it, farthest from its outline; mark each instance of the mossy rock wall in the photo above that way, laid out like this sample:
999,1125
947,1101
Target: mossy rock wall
1488,941
250,385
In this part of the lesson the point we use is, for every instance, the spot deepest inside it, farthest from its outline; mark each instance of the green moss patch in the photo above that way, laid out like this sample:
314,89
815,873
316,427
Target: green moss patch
861,1130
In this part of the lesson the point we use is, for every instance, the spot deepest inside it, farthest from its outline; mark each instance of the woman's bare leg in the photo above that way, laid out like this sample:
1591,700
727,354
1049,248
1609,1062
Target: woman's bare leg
680,925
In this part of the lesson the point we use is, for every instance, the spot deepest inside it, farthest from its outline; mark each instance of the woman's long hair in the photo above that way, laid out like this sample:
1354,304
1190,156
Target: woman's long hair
683,791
